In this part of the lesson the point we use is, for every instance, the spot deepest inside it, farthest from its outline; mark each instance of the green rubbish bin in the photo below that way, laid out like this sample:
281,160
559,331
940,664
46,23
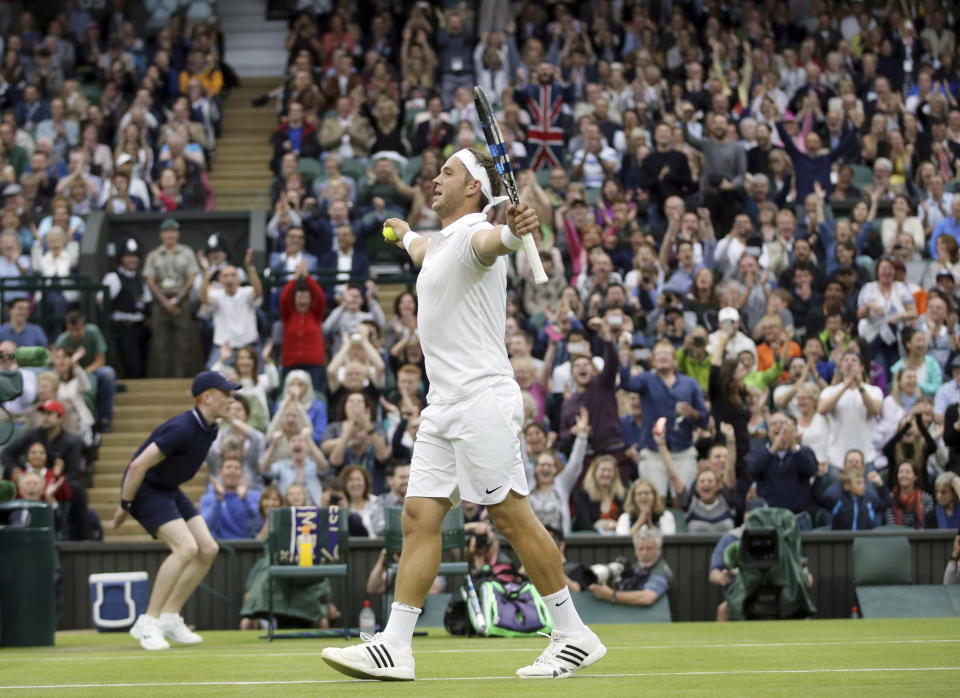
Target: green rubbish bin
28,616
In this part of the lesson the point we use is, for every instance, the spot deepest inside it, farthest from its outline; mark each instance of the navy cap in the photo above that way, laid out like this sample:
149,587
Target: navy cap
212,380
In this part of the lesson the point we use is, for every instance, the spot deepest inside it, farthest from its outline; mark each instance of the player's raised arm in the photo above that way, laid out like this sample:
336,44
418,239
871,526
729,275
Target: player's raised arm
504,239
416,245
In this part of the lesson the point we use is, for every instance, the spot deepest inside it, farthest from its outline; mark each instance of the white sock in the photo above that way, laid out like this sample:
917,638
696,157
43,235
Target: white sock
400,624
566,620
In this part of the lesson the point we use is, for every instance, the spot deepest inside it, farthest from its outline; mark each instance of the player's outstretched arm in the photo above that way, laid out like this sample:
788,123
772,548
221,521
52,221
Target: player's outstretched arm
416,247
500,240
151,456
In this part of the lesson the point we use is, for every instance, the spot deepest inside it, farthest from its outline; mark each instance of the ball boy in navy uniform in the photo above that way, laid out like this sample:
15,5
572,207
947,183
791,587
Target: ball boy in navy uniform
151,494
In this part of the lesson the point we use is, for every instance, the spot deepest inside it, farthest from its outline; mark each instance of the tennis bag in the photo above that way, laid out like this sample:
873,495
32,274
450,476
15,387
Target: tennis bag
510,606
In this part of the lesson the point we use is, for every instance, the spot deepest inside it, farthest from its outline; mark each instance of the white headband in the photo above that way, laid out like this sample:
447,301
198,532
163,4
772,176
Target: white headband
479,172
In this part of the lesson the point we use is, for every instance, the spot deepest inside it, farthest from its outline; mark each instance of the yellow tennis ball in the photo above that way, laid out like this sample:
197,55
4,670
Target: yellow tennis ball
388,234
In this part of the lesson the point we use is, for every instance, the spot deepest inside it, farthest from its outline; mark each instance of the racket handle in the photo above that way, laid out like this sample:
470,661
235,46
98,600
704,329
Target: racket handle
533,256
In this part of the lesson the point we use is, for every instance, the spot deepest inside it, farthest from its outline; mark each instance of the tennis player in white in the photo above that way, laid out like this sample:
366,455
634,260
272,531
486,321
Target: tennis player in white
469,439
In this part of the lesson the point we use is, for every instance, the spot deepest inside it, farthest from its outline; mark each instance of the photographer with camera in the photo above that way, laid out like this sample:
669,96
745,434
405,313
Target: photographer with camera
643,583
693,359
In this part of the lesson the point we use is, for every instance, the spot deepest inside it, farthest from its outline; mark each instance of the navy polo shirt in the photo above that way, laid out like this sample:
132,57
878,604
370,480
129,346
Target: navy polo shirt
184,441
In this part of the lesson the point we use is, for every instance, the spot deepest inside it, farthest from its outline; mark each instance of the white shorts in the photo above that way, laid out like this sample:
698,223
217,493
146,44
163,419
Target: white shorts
471,448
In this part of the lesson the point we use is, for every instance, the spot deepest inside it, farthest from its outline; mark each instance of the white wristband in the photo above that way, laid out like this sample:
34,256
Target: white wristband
409,238
509,240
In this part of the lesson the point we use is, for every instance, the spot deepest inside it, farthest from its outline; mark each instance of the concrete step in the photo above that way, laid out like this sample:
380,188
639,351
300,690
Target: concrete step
140,424
109,497
162,409
265,82
114,464
257,62
246,203
124,439
158,384
247,149
114,479
242,178
248,37
113,452
134,399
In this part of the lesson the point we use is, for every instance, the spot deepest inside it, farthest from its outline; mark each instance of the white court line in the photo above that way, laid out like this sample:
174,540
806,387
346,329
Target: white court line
659,674
186,654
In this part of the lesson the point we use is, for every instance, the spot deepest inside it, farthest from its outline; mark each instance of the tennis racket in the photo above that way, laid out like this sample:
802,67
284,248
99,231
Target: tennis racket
498,150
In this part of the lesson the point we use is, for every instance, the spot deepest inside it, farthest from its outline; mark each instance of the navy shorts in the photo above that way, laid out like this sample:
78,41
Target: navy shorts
153,507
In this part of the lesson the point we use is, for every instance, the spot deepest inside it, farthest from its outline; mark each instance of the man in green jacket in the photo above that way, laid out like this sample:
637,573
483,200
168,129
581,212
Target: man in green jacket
693,359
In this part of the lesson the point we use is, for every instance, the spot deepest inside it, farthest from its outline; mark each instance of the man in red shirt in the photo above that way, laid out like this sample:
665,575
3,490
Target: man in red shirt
302,305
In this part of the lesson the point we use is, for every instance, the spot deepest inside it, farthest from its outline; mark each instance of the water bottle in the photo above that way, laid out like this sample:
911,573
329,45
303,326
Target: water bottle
475,612
305,547
368,621
854,612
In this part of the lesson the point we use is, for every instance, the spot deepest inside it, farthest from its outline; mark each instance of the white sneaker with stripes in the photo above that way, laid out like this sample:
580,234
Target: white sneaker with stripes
564,655
372,659
174,628
147,630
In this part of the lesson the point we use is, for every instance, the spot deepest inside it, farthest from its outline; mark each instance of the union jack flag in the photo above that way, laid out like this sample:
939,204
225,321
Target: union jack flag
545,135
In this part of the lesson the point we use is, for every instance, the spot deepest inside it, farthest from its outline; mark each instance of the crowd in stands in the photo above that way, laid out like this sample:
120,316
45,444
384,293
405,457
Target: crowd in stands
750,220
97,115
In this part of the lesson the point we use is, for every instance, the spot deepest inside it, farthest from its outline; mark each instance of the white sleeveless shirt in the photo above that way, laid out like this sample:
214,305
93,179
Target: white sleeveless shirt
462,314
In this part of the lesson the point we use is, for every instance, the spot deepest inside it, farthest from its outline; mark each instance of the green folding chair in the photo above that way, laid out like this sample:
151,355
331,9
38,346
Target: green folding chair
412,168
883,563
452,537
311,167
862,176
680,516
354,167
332,545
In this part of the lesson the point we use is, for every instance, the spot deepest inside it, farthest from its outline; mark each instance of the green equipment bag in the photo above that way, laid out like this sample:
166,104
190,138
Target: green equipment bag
513,609
509,606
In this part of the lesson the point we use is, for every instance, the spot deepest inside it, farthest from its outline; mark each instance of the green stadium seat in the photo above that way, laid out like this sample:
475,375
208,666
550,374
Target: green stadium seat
354,167
280,566
879,560
453,537
412,168
434,608
862,176
312,168
408,119
681,518
915,601
592,610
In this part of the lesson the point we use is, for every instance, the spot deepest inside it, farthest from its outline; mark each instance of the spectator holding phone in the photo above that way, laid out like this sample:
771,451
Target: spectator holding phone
676,398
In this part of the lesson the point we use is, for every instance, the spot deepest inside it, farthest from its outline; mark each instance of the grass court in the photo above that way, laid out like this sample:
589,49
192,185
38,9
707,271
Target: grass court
788,658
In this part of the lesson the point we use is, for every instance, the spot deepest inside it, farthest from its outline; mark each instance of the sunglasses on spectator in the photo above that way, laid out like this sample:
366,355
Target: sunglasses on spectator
7,357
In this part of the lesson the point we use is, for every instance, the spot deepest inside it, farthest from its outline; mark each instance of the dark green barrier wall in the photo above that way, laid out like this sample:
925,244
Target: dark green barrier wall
692,598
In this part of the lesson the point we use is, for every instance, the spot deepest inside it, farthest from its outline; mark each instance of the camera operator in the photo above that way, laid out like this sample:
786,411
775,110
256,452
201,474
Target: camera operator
647,580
